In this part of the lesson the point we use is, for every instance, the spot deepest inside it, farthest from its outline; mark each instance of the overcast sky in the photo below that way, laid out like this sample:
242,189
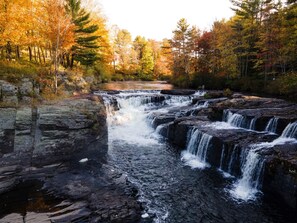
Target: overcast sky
156,19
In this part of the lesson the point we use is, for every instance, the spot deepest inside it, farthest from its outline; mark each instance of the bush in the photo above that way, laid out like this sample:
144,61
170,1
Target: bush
285,85
209,81
227,93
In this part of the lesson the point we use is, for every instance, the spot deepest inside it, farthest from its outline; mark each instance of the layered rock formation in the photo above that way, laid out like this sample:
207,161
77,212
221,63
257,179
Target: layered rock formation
255,121
63,146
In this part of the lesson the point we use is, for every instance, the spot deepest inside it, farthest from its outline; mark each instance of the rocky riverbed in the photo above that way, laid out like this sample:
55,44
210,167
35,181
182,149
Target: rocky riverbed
53,163
236,125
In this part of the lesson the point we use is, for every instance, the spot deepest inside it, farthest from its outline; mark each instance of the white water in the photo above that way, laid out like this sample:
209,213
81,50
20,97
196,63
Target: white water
253,124
131,126
271,125
196,153
290,131
235,119
289,135
249,185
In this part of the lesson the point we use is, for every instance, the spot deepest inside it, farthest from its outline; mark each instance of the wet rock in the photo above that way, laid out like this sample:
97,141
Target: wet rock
280,176
7,125
14,217
178,92
162,119
112,92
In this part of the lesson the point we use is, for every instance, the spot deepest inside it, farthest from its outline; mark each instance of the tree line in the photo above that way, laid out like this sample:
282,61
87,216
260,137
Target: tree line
255,50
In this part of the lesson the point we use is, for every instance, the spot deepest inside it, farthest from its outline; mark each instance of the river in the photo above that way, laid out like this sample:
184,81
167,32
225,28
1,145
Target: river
170,190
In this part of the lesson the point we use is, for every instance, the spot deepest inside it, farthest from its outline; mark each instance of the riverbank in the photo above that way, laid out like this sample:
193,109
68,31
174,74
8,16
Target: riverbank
53,161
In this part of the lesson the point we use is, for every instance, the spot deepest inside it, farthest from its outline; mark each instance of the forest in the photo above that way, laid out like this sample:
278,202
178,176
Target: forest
254,51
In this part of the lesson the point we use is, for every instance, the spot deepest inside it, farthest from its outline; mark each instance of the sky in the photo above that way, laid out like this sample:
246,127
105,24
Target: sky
156,19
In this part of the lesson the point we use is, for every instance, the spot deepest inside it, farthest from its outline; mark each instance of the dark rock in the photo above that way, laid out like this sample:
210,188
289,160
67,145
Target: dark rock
214,94
280,176
112,92
178,92
162,119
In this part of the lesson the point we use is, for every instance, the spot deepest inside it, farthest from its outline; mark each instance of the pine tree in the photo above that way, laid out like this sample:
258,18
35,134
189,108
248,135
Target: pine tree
84,50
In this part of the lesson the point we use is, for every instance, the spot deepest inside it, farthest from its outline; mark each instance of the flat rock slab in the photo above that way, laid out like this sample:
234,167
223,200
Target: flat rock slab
178,92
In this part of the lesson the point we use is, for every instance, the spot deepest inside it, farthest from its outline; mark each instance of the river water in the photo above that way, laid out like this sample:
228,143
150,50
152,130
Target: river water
170,190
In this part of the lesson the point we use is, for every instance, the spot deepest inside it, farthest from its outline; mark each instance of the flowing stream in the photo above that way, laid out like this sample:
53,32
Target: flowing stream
170,190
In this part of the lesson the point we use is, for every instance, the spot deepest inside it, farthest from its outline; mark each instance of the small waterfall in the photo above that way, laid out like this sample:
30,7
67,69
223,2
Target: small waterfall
222,158
229,161
272,125
196,153
253,124
236,120
290,131
250,183
232,159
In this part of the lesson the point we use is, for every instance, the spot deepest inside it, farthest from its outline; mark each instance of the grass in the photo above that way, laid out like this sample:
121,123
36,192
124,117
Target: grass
13,71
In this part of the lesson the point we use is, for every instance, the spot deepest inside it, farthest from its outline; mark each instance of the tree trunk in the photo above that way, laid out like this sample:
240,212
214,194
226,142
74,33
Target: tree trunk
30,53
42,54
39,55
17,53
8,50
35,54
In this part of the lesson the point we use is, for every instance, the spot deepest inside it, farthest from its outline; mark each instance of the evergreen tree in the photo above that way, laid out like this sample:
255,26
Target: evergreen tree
85,48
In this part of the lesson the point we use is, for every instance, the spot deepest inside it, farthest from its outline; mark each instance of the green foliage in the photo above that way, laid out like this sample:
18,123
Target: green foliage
84,50
208,81
227,93
181,81
102,72
285,85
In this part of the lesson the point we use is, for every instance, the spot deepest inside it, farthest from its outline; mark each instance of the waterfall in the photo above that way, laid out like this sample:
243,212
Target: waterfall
250,183
222,158
252,124
290,131
196,152
232,159
272,125
236,120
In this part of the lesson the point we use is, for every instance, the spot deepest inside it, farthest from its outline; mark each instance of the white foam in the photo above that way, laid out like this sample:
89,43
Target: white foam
221,125
84,160
193,161
243,192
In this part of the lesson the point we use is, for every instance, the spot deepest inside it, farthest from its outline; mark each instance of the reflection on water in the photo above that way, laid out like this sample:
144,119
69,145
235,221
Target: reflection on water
136,85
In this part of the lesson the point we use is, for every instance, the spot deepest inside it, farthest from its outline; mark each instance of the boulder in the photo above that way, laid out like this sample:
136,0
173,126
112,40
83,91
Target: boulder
26,88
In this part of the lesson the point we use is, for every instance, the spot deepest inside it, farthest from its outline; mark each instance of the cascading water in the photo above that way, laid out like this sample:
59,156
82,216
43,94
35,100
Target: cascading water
236,120
133,139
290,131
272,125
249,184
168,191
196,153
253,124
228,162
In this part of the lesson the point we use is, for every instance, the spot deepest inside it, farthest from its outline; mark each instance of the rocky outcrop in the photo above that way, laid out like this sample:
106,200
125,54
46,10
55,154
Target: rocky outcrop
11,95
228,145
63,145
